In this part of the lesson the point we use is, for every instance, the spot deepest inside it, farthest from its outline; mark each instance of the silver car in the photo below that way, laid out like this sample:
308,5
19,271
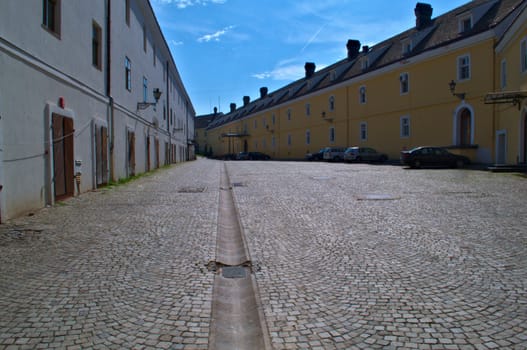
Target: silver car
334,154
364,154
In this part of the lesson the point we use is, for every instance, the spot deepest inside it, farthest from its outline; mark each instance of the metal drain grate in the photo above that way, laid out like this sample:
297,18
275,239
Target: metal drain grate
192,189
233,272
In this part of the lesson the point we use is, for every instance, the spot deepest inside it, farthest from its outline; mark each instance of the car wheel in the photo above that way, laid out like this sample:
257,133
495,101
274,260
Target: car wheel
383,159
358,159
337,159
416,164
460,163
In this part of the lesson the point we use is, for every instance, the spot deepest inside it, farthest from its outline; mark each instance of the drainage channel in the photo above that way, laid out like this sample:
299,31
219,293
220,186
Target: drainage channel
237,322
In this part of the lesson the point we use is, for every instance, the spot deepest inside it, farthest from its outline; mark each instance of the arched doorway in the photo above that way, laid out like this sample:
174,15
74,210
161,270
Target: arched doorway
465,127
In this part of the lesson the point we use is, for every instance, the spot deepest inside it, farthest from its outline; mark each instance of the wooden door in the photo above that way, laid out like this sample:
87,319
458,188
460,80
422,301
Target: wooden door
63,156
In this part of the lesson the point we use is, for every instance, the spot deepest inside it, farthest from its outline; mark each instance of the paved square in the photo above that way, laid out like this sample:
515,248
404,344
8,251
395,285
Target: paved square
346,256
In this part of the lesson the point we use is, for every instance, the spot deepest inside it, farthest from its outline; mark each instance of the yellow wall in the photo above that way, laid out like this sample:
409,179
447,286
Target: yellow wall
429,104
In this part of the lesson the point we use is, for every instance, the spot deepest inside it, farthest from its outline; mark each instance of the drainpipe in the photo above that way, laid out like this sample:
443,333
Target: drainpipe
111,107
168,116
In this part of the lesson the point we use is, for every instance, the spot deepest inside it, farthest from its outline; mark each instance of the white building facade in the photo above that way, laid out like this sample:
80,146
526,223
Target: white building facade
78,109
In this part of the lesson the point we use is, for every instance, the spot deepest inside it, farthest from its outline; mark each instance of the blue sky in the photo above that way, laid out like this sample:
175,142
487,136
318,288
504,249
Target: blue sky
226,49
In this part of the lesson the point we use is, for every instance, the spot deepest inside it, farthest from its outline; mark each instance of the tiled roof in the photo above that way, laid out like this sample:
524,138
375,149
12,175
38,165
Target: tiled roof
442,30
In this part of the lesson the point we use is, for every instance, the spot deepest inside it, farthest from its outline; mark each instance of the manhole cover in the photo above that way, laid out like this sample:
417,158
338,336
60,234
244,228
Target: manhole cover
233,272
377,197
192,189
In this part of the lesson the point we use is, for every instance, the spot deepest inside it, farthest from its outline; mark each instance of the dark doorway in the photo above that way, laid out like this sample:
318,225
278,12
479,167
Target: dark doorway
63,175
101,155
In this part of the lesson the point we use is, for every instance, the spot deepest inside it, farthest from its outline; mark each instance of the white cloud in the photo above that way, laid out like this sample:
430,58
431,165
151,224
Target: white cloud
215,36
175,43
186,3
289,73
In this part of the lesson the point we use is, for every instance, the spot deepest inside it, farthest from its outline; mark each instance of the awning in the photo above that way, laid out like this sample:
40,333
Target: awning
514,97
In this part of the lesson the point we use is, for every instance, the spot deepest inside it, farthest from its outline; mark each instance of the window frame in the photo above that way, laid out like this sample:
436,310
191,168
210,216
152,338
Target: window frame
308,109
405,130
332,135
128,73
308,137
362,94
462,21
145,89
96,45
462,66
363,131
331,103
404,80
53,24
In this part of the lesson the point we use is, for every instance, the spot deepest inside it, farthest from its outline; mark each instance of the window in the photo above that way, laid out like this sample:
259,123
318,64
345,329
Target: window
465,24
503,77
127,12
96,45
273,142
363,131
523,54
332,134
333,75
331,103
51,15
362,94
405,127
273,118
407,47
308,109
145,89
128,73
364,63
255,124
289,114
144,38
289,140
308,137
405,86
463,67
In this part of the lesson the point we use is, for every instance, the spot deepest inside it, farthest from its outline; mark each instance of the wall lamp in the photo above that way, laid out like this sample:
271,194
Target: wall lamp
144,105
452,85
323,115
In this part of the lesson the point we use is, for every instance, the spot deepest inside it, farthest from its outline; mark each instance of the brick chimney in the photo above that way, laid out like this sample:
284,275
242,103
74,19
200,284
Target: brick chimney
233,107
353,47
263,92
310,69
423,15
246,100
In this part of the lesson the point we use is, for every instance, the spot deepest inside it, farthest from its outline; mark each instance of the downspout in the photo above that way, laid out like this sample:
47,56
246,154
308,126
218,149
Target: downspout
111,107
168,116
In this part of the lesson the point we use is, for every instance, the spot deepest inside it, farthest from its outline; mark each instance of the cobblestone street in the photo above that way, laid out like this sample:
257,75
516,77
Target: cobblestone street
345,256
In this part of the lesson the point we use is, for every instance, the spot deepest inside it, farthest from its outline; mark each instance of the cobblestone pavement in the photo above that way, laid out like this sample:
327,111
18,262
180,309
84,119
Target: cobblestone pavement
347,256
356,256
121,268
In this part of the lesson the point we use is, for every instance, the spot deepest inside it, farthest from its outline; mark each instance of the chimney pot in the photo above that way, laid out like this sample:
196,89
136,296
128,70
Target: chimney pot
310,69
365,48
233,107
353,47
423,15
246,100
263,92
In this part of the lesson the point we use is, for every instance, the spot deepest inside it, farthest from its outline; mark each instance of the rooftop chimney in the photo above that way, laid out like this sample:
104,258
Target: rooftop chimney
263,92
310,69
246,100
353,49
365,48
233,107
423,15
215,111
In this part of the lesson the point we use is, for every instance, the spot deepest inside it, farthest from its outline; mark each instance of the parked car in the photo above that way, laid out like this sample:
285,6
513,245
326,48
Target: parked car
432,156
364,154
315,156
252,156
334,154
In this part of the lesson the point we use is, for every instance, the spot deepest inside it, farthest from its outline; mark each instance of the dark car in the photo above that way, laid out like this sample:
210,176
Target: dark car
432,156
252,156
315,156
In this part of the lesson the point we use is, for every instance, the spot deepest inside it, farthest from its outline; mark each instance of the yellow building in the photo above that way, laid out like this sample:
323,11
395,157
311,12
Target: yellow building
455,81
